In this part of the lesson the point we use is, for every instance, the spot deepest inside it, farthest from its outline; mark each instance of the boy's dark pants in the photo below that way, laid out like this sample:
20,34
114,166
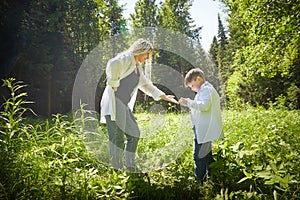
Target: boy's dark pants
203,158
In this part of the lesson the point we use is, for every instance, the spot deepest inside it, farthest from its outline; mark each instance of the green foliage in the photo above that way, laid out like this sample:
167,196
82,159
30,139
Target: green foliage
145,14
174,15
264,47
233,90
259,154
47,42
213,51
293,96
12,112
47,159
11,126
218,53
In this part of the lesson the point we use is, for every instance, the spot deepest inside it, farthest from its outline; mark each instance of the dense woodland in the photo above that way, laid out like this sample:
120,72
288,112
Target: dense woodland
256,55
255,68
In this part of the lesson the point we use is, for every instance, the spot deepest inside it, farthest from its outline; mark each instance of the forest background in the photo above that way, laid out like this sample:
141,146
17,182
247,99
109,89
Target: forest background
44,42
255,68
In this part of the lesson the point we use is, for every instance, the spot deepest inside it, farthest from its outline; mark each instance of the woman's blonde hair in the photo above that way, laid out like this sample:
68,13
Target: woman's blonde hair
140,46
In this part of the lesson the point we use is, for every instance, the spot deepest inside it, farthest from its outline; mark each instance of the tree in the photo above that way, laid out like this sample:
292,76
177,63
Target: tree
174,15
266,54
53,38
145,14
213,50
221,52
221,58
213,54
11,15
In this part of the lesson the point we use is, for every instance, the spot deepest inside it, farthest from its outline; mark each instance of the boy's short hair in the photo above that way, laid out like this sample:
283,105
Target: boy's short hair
192,75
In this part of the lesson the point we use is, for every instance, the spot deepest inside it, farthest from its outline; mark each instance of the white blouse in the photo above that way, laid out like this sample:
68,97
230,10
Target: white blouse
118,68
206,114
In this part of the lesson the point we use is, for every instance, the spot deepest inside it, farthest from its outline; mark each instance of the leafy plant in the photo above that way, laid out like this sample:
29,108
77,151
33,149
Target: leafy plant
48,159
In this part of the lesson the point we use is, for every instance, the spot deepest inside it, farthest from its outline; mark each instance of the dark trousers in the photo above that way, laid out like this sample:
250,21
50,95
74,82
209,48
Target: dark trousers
202,158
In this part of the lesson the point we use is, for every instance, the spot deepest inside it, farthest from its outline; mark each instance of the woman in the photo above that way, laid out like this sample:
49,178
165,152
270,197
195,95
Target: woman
124,77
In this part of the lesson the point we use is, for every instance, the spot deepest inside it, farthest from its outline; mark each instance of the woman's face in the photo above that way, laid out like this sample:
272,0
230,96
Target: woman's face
143,57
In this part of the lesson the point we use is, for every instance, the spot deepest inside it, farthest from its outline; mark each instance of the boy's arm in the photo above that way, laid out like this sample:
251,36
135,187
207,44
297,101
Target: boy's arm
201,103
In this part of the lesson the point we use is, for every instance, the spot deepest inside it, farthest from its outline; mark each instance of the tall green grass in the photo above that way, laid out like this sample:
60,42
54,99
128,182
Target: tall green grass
259,155
47,159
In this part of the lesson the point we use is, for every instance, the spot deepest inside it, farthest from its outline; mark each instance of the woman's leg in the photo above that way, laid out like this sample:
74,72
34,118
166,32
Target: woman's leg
132,139
116,143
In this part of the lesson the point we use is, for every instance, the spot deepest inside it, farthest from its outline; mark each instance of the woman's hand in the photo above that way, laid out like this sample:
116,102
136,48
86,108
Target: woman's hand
115,88
169,98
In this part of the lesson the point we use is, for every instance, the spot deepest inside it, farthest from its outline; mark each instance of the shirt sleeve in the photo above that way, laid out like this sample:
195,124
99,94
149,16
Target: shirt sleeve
113,72
152,91
149,89
202,101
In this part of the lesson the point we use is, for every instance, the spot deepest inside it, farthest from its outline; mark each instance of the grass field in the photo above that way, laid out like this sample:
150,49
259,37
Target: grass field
54,158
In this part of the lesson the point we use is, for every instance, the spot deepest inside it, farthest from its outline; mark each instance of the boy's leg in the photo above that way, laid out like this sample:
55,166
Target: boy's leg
203,158
200,166
116,143
210,160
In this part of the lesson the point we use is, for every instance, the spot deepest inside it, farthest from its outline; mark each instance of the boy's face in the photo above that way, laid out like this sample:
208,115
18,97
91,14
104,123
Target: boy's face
196,84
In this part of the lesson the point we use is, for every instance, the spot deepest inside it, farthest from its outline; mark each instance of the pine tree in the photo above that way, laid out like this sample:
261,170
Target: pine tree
175,15
145,14
222,44
213,50
219,56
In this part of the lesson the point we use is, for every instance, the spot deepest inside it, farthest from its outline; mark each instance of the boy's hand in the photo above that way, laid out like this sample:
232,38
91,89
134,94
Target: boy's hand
183,101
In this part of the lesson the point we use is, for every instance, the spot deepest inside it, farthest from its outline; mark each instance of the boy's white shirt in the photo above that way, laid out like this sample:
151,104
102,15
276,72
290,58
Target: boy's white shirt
118,68
206,114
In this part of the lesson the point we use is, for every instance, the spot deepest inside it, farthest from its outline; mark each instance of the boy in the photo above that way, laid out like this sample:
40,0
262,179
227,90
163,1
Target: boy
206,120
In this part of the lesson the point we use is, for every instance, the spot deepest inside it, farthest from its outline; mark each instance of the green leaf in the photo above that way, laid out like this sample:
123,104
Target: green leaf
248,175
273,166
243,179
264,174
118,187
258,167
